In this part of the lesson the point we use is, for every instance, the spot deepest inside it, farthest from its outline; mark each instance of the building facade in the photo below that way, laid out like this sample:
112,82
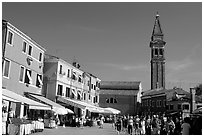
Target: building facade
165,101
22,64
121,95
68,85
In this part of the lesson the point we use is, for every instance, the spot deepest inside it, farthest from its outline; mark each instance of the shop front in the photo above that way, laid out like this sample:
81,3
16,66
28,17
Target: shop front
51,116
17,110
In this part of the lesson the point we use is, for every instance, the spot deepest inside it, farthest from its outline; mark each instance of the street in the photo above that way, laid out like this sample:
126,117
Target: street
107,130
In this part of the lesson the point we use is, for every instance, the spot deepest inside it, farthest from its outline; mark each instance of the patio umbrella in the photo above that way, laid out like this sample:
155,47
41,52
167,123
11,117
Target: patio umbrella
113,110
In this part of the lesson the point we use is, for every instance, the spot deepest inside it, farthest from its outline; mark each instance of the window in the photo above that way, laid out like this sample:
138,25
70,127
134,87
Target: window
10,38
39,82
28,79
72,95
161,51
156,51
60,71
89,97
107,100
160,103
179,106
96,99
150,103
67,92
171,107
40,57
80,80
6,68
30,50
115,101
84,96
164,103
167,107
68,73
78,96
59,91
74,76
186,106
22,69
111,100
91,86
94,87
24,47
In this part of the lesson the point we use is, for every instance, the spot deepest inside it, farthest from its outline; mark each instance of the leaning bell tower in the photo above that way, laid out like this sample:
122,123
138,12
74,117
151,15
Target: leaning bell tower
157,44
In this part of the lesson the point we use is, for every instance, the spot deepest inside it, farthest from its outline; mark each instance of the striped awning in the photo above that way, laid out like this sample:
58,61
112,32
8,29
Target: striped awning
57,108
31,103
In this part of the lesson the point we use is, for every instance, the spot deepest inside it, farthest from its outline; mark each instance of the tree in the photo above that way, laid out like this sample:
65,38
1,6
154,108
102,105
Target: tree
198,89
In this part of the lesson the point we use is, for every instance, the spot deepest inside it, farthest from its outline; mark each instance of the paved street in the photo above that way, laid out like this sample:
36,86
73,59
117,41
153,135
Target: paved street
107,130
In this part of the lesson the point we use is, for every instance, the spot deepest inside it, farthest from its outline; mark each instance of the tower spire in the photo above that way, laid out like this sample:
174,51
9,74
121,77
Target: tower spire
157,31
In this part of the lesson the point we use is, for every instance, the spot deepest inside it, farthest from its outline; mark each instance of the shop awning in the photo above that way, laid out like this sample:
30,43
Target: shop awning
71,102
32,104
77,103
57,108
9,99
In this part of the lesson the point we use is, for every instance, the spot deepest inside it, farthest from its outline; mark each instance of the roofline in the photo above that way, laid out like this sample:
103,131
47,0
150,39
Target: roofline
23,34
59,59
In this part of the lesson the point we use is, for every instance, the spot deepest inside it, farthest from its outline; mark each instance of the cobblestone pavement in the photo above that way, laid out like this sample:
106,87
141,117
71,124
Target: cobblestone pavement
107,130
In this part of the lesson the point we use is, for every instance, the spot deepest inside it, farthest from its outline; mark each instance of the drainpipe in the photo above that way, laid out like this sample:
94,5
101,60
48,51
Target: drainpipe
193,102
4,35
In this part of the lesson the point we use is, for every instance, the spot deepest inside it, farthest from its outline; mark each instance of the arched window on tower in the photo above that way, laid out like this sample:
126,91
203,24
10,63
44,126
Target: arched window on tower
156,52
111,100
161,52
115,101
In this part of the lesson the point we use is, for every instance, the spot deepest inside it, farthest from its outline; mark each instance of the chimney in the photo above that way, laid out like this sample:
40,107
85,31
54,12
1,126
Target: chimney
193,101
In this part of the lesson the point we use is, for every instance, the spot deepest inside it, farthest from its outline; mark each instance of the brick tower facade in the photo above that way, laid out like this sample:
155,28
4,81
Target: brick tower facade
157,56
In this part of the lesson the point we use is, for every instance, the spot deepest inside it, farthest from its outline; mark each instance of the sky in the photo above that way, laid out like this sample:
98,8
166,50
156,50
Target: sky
111,40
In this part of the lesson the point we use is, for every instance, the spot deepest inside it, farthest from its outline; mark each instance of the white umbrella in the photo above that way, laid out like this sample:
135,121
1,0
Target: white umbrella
114,111
62,111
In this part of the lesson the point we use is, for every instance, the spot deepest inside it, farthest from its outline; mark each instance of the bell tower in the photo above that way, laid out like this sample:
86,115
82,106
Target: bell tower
157,56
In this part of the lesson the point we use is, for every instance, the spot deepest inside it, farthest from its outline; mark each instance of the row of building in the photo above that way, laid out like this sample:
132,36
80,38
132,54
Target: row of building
29,72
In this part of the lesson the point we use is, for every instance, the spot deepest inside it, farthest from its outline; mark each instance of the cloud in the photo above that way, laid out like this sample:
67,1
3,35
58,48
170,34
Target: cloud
124,66
179,65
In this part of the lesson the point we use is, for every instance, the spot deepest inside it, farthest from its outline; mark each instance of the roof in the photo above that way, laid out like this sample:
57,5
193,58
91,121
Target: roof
168,92
118,92
120,85
157,27
197,98
5,22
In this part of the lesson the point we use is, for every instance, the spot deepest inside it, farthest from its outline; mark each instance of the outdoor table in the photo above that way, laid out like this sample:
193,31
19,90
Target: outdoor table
3,128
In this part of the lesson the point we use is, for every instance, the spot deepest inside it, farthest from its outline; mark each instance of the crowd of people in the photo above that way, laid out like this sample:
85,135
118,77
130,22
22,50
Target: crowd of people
157,125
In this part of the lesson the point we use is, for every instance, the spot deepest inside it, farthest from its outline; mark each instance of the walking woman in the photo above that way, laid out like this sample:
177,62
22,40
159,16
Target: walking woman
130,125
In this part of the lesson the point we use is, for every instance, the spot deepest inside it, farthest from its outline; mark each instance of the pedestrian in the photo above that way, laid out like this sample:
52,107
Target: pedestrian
155,126
101,121
163,126
136,125
143,131
130,125
177,130
170,126
125,123
148,125
119,125
186,126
